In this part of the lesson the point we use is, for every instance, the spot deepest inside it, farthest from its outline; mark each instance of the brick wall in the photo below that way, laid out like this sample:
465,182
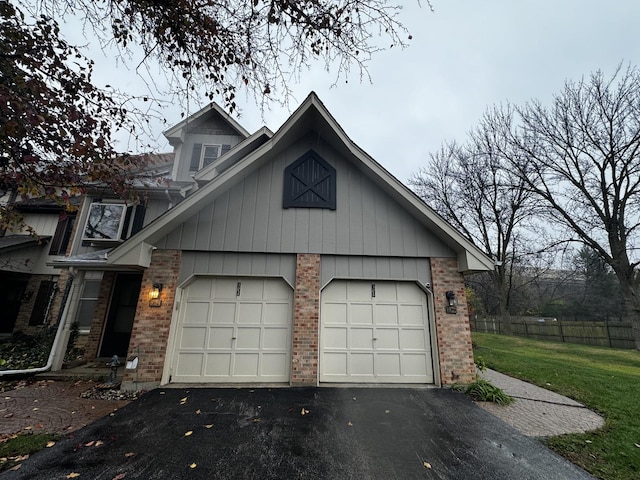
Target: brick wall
150,333
24,314
306,307
92,343
452,330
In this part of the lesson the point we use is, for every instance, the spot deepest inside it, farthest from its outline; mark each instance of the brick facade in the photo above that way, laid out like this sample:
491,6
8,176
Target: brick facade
92,342
24,314
452,330
306,309
150,334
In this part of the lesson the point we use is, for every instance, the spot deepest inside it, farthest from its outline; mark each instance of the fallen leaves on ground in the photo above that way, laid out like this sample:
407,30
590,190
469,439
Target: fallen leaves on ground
129,454
73,475
198,412
50,444
120,476
209,426
189,433
183,400
426,465
350,424
304,411
193,465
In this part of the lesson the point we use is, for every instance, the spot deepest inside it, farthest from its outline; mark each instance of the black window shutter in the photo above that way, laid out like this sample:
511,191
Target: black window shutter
225,149
138,219
127,221
62,236
42,302
195,157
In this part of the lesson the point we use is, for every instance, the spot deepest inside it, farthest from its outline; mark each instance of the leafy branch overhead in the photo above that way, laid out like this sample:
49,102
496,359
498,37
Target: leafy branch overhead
58,128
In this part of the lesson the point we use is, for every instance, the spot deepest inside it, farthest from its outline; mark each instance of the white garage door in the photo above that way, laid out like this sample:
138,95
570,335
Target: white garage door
234,330
375,332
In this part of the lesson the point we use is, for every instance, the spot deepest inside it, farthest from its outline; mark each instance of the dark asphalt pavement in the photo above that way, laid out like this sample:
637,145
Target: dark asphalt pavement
308,433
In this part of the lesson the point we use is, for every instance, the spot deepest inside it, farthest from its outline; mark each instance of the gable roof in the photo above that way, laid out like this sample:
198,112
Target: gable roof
312,115
177,133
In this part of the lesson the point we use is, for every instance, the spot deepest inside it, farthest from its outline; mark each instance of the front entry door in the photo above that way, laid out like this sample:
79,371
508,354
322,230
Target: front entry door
122,312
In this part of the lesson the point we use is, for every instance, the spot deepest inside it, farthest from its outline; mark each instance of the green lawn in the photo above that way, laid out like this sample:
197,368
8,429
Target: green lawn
606,380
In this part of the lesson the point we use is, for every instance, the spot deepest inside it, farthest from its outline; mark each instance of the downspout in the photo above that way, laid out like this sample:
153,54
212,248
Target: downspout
56,339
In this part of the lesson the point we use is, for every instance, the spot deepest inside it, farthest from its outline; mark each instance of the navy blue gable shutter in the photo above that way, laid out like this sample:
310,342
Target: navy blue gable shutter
195,157
138,219
309,182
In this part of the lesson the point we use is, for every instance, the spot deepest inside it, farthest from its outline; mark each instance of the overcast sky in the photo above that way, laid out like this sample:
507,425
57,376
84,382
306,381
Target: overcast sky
464,57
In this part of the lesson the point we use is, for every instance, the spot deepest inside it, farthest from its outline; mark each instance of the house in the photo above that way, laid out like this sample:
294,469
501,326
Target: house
276,258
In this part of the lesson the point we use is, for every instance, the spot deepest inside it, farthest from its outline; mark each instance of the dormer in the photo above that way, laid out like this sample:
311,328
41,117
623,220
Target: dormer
201,139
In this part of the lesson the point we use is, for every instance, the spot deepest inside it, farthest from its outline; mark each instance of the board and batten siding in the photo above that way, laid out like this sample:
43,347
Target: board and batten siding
238,264
369,268
249,217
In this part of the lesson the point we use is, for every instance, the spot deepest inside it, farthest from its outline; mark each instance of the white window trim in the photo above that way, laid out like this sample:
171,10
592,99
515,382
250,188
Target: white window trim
204,149
120,224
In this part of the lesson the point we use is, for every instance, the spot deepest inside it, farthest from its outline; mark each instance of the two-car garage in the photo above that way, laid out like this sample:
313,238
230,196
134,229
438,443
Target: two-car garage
239,330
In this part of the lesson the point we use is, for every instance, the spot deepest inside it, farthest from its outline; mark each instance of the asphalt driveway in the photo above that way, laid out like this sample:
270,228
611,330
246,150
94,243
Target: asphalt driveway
307,433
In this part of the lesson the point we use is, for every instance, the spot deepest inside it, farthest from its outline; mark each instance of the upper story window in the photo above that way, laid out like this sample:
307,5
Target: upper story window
204,155
112,222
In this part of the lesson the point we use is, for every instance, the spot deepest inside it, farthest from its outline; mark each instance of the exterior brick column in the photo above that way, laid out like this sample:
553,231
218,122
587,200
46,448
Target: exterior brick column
452,330
150,334
99,316
306,308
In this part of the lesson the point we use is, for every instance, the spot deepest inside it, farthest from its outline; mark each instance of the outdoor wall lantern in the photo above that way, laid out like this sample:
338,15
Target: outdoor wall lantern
451,302
154,295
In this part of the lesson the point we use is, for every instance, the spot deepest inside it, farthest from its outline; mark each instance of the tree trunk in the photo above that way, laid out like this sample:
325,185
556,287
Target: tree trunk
632,306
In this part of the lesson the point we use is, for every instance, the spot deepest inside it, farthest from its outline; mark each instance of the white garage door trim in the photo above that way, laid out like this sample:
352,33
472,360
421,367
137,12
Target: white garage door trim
375,332
233,330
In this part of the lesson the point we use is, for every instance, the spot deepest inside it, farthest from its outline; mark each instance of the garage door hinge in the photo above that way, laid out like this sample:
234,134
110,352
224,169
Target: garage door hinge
238,289
373,290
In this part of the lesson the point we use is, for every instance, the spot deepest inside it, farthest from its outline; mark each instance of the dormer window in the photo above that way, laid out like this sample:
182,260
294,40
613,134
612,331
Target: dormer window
204,155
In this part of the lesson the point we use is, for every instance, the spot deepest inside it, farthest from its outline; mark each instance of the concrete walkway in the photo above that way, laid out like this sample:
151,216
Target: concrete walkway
538,412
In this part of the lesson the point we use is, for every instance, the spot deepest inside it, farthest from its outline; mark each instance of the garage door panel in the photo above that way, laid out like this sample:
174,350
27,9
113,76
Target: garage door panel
411,315
361,314
274,363
359,291
223,288
197,312
222,312
335,364
190,364
361,338
375,334
416,365
361,364
277,313
193,338
246,364
247,337
229,338
385,291
334,313
388,365
275,339
386,315
413,340
249,312
387,339
201,289
218,365
335,338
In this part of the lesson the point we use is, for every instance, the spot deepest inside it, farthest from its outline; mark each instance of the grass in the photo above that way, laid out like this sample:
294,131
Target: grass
606,380
17,448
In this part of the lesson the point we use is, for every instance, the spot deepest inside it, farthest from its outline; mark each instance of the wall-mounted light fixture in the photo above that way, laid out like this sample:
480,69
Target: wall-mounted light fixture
154,295
451,302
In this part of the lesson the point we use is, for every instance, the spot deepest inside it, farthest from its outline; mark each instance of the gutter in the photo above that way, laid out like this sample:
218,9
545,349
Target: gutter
54,346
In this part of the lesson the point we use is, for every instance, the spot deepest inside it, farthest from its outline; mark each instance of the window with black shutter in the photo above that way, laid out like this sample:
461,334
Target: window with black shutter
204,155
310,182
42,304
62,236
